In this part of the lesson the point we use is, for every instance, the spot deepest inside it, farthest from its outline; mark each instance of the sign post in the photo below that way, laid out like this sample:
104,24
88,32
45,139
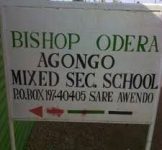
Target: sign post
82,62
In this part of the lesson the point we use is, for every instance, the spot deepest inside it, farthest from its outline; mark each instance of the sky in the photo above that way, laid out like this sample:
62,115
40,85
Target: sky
141,1
135,1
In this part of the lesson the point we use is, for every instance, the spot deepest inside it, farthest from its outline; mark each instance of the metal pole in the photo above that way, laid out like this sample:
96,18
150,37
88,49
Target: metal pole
155,109
12,134
10,119
151,129
150,136
152,125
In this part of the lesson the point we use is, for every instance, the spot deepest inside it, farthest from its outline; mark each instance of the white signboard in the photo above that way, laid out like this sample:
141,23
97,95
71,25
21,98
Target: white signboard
82,62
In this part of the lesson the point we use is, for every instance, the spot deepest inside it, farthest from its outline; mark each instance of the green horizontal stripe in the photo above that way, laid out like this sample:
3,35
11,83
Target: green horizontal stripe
86,111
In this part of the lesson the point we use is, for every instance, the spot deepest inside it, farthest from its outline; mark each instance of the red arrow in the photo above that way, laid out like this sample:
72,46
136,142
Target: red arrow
37,111
55,111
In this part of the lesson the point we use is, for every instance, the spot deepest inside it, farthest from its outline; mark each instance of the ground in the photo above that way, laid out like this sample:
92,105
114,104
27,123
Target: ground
93,136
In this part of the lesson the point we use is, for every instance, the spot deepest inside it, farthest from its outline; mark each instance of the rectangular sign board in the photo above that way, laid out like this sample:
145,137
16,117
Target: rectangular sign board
82,62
